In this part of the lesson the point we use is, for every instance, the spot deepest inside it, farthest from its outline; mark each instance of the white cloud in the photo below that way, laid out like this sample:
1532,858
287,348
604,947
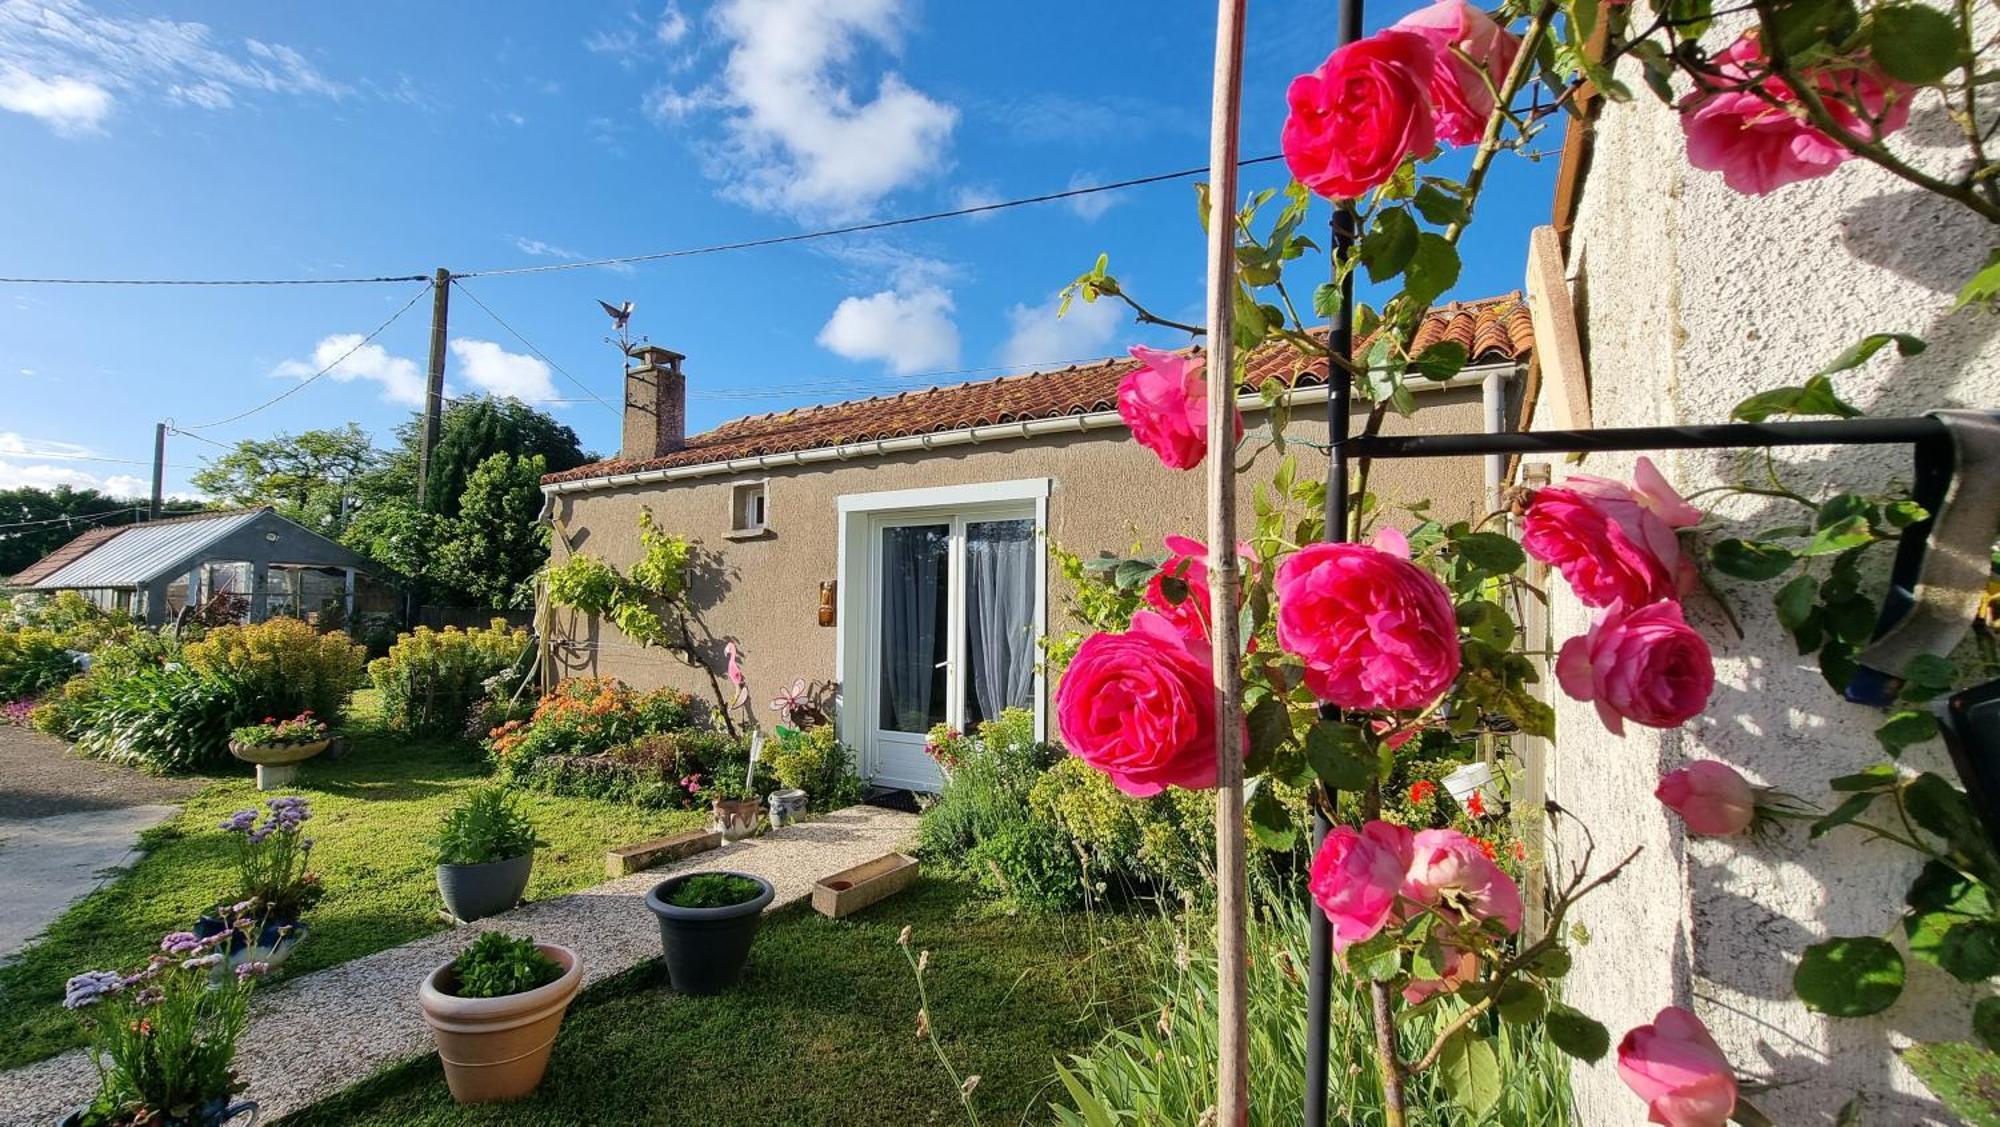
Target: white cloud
1038,339
976,195
400,378
804,135
1091,206
540,249
908,331
637,35
64,63
70,106
501,372
42,464
672,26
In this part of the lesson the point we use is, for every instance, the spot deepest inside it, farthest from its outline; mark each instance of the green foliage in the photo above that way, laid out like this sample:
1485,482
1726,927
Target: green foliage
985,792
664,771
587,716
1849,977
592,586
713,890
1964,1077
160,719
1030,865
431,680
470,432
493,547
309,477
33,661
42,520
1096,599
582,582
1162,843
487,825
663,560
816,762
281,667
497,964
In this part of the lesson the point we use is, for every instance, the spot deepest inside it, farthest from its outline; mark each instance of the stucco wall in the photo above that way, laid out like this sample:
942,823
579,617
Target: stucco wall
1691,297
1108,494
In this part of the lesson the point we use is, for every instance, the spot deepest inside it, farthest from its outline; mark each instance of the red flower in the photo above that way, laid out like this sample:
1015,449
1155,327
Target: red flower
1476,806
1422,791
1486,847
1520,850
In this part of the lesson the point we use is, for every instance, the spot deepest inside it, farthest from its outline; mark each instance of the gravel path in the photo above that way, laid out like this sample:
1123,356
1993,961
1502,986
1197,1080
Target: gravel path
319,1033
39,777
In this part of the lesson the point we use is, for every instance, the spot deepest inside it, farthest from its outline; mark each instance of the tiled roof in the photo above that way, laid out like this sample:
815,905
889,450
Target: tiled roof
1495,328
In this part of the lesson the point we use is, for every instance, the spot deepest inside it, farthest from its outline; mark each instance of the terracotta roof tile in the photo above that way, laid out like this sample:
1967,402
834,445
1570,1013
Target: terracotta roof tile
1491,328
69,553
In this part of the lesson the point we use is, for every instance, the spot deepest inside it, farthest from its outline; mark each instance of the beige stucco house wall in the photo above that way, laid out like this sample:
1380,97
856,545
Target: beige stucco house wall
1099,492
1691,297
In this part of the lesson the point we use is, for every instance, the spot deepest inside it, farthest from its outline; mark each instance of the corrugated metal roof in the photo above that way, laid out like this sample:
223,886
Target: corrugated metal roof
143,552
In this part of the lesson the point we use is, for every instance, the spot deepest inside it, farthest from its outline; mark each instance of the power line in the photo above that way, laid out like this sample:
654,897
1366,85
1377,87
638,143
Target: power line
858,228
60,456
687,252
531,345
309,380
90,519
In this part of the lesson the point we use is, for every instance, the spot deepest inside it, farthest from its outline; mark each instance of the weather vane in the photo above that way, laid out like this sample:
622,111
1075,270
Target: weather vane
621,320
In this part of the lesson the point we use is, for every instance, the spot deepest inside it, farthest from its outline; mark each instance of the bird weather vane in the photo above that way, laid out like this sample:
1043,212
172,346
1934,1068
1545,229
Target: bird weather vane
621,320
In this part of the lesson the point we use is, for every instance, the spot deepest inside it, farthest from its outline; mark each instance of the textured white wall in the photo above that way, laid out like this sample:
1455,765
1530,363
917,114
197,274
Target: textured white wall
1691,297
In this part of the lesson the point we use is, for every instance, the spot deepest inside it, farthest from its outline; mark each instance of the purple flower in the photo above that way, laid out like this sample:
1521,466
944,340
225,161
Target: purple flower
180,943
201,961
240,821
246,971
150,996
258,835
86,988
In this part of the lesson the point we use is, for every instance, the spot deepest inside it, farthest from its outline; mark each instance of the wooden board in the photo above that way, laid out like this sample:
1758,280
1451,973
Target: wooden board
1564,392
632,858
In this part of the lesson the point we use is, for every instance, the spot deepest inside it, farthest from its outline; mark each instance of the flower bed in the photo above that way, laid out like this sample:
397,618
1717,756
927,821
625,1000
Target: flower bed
587,716
432,680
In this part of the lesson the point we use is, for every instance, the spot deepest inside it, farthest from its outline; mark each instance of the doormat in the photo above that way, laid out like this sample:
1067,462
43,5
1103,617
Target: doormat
891,799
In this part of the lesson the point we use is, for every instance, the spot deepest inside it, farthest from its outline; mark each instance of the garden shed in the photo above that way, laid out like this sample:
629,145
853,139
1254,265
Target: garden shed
275,566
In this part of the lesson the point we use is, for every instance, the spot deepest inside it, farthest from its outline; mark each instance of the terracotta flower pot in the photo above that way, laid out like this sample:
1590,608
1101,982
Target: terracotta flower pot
498,1048
736,818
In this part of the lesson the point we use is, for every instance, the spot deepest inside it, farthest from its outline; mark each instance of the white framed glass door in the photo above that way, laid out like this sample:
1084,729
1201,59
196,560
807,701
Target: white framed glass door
956,610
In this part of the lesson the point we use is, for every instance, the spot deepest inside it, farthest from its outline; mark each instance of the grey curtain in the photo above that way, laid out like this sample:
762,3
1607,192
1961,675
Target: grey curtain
1000,612
913,596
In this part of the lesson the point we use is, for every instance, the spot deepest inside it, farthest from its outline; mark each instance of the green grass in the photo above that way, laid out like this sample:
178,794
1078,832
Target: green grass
822,1029
372,811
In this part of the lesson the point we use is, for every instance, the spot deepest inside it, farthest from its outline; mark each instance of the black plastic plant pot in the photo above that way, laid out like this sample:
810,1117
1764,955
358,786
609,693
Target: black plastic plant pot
707,947
473,892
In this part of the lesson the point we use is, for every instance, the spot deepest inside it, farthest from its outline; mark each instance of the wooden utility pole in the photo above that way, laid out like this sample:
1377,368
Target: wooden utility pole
1232,1102
159,470
434,390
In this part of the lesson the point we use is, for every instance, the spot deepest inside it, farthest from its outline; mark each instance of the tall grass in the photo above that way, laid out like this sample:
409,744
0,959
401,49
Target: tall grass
1161,1069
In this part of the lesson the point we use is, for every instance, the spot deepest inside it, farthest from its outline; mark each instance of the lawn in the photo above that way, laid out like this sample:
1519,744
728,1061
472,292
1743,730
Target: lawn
822,1030
372,810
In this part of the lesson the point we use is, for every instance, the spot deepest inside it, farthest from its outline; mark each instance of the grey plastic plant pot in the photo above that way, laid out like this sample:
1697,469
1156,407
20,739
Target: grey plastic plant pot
473,892
707,947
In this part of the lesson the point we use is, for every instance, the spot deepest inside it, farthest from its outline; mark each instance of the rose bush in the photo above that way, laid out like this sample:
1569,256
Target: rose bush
1140,706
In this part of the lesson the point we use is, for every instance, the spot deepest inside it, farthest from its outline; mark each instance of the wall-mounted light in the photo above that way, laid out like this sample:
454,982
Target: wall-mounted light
826,592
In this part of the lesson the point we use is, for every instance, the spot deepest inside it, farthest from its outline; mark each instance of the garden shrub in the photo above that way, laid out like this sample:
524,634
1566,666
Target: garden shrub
1031,865
165,718
986,785
487,826
1163,843
282,667
587,716
665,771
816,762
64,712
431,680
33,660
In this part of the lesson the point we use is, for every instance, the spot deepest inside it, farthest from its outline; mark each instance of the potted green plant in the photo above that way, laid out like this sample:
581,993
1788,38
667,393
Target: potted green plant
163,1037
495,1011
735,806
485,852
276,885
707,922
277,747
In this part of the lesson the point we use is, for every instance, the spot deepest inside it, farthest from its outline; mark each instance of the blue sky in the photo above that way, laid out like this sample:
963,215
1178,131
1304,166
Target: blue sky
190,140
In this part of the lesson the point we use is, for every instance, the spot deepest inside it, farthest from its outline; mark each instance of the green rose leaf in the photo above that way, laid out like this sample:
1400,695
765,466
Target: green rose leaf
1487,622
1983,286
1963,1076
1522,1002
1269,820
1441,361
1441,207
1858,353
1578,1034
1851,976
1879,777
1970,951
1816,397
1906,728
1795,602
1432,271
1270,724
1491,552
1340,757
1390,244
1471,1072
1912,42
1747,559
1850,532
1855,806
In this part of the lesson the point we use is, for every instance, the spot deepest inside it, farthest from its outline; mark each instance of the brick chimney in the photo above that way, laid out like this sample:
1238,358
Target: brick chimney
655,403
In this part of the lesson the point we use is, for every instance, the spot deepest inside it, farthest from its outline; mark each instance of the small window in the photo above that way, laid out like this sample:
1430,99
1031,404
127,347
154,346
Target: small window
747,512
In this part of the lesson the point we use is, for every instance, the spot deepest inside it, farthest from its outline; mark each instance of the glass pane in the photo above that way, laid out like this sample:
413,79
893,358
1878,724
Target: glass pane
915,560
1000,573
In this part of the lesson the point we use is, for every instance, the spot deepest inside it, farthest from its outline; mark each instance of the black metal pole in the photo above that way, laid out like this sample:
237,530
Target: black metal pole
1716,436
1339,402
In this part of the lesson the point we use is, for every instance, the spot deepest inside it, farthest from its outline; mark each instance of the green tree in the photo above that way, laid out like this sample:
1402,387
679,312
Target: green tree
471,431
312,477
496,543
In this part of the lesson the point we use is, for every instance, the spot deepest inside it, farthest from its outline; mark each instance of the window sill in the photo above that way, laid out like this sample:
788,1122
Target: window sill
763,533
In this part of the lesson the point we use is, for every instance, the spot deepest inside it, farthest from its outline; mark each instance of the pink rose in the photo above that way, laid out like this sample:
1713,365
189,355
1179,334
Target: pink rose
1356,876
1647,666
1710,797
1165,402
1354,119
1613,542
1187,559
1460,967
1451,873
1676,1067
1760,147
1140,707
1461,91
1375,631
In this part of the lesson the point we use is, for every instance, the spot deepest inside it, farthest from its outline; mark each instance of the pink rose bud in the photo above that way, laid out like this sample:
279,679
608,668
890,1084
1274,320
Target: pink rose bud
1710,797
1165,402
1750,131
1354,119
1356,876
1647,665
1462,91
1676,1067
1375,631
1140,707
